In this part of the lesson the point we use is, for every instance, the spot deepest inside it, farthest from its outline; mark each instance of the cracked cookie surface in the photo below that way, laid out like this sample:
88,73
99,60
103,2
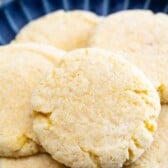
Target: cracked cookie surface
142,37
157,155
95,110
22,67
65,30
37,161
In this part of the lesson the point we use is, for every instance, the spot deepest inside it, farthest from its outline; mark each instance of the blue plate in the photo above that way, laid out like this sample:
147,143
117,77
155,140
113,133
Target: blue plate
14,14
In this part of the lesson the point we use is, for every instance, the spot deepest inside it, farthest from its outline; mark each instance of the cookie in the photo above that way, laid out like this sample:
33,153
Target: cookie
65,30
95,110
157,155
143,37
36,161
22,67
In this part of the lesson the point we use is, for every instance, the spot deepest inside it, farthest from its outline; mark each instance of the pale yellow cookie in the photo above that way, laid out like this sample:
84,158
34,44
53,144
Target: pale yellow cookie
22,67
36,161
157,155
143,37
65,30
95,110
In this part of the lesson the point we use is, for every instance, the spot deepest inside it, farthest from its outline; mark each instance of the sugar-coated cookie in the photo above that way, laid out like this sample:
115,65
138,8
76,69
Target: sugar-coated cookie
22,67
143,37
95,110
157,155
65,30
36,161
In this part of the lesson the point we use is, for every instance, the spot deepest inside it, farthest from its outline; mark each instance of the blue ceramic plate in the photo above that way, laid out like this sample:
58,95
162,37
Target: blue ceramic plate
14,14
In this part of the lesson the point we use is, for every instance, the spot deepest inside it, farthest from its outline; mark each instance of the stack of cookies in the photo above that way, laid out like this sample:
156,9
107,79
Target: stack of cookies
81,91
